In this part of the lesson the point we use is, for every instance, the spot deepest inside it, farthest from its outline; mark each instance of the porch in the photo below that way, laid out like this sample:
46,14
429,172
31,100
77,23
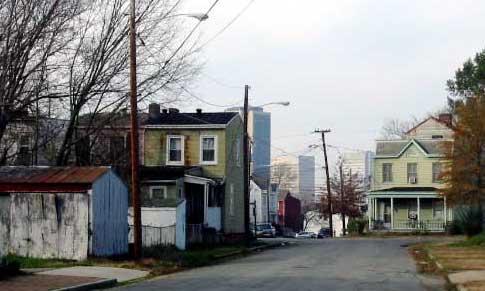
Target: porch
398,212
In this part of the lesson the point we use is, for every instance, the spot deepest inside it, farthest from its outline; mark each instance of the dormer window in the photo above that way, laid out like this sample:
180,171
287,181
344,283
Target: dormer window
175,150
208,149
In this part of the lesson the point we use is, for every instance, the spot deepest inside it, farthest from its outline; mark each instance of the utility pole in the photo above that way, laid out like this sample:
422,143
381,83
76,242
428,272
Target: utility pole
341,170
135,187
246,165
329,193
268,190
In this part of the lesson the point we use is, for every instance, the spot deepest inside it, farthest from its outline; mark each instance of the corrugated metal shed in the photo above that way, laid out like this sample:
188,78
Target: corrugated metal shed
49,179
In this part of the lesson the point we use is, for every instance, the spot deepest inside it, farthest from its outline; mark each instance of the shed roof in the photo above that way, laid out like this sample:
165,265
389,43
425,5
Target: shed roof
49,179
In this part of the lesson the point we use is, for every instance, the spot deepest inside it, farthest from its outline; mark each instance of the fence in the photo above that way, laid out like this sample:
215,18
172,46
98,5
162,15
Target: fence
154,235
409,224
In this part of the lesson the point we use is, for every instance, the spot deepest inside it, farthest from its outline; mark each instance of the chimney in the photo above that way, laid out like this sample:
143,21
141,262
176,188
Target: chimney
154,111
199,111
173,110
446,118
164,111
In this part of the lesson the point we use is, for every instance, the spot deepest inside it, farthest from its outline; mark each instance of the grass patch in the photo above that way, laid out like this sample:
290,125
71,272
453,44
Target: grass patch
474,241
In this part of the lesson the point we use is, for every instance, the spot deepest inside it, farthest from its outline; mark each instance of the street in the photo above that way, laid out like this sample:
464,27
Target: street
338,264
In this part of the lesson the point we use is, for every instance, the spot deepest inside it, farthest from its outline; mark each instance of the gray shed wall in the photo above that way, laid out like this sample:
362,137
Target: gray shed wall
109,216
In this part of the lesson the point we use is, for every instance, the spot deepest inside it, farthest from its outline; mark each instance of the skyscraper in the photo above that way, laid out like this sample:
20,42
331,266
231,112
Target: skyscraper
259,130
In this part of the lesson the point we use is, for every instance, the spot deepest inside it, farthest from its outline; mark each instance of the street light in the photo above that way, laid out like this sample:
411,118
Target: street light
282,103
198,16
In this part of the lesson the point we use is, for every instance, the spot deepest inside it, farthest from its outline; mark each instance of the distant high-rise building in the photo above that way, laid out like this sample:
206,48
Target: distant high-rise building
359,163
295,174
259,130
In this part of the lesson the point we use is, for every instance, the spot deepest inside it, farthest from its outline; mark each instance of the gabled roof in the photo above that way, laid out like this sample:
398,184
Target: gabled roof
49,179
395,148
424,121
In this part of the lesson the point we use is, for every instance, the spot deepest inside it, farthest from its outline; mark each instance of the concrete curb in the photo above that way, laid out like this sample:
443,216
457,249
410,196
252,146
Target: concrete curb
105,283
252,250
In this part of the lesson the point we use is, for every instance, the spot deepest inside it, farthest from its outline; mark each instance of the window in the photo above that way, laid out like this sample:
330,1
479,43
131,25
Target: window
24,154
437,173
386,172
158,192
208,149
436,136
274,187
175,150
412,173
231,199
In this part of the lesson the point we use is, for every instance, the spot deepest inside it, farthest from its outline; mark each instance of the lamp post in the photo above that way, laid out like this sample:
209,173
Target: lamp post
134,153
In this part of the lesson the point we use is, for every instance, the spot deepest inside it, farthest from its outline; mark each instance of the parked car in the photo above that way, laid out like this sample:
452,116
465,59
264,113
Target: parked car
306,234
324,232
265,230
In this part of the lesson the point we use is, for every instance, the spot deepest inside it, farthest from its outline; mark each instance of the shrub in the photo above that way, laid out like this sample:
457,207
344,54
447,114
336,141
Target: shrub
356,226
454,228
9,267
470,219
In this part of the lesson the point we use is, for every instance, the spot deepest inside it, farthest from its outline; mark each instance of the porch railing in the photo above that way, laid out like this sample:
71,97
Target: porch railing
409,224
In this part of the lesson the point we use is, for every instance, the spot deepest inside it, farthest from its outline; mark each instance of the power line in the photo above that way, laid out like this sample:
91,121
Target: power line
229,23
221,83
207,102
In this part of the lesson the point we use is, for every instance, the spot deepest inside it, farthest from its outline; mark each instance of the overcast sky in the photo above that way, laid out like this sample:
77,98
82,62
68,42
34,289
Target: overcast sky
344,65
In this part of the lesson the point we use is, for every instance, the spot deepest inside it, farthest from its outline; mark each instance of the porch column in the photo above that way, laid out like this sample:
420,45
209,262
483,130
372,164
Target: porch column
370,210
375,208
419,209
392,212
206,201
444,210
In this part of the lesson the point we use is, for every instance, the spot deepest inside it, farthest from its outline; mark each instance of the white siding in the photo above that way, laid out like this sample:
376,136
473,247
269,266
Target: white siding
46,225
4,224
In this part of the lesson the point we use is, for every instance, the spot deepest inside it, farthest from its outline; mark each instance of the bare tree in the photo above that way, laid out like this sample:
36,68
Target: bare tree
311,214
284,175
96,76
396,129
32,33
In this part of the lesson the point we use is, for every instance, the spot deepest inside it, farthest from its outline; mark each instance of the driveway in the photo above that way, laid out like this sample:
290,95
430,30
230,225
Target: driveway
330,264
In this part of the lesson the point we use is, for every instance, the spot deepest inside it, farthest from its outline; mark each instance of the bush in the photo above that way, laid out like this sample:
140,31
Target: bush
9,268
356,226
470,220
454,228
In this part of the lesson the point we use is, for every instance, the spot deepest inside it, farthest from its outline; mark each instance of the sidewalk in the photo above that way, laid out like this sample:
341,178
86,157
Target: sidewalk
463,266
72,278
44,282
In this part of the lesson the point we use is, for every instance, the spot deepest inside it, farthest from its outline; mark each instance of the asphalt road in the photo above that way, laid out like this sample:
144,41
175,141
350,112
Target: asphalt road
364,264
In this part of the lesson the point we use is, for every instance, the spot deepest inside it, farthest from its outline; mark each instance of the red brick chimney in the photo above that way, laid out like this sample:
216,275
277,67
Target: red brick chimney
446,118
